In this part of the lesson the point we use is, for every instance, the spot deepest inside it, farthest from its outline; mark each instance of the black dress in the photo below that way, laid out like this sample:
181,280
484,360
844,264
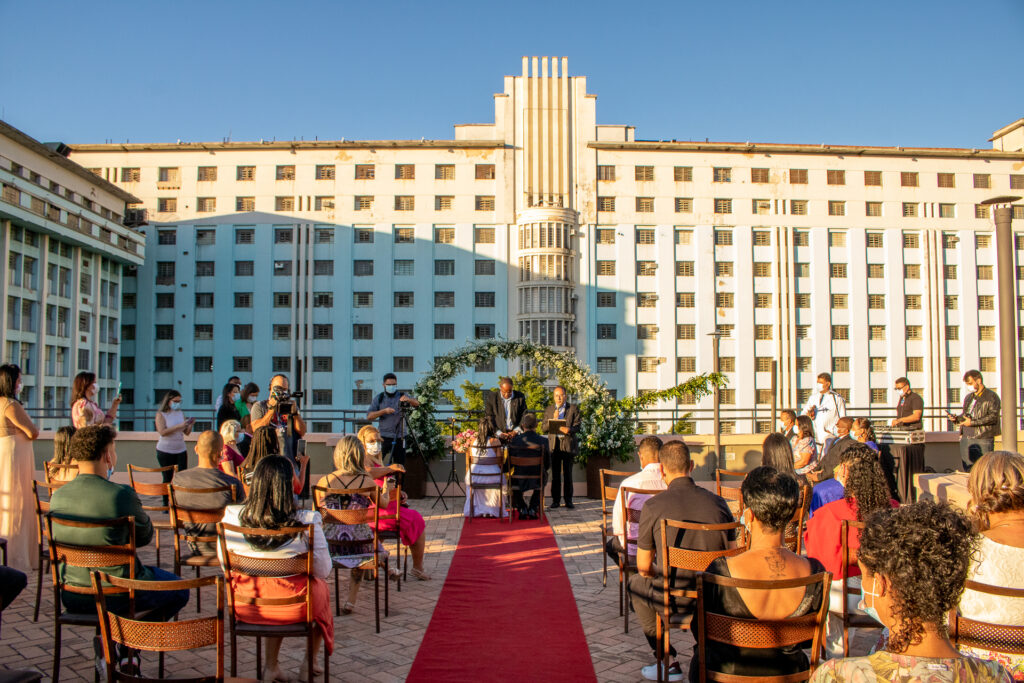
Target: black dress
227,411
750,661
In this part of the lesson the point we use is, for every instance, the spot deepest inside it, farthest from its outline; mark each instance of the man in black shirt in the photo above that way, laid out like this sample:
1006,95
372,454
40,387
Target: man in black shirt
910,408
684,501
979,420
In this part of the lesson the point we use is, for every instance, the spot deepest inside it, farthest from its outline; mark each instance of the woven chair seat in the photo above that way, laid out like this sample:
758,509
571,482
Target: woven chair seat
201,561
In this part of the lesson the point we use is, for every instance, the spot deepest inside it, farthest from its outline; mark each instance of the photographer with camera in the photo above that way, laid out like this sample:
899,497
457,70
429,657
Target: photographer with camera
387,406
282,413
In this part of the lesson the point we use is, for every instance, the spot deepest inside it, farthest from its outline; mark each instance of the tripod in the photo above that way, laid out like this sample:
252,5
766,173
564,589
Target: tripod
418,450
453,475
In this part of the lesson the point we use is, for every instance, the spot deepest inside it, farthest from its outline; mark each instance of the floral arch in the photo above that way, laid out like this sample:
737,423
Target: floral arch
608,425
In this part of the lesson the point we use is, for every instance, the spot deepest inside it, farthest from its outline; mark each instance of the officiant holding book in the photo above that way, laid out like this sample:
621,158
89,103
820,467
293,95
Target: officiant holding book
561,424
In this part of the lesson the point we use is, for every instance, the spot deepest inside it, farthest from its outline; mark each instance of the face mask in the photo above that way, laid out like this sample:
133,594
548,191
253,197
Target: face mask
821,388
17,389
390,388
175,405
864,607
234,399
373,448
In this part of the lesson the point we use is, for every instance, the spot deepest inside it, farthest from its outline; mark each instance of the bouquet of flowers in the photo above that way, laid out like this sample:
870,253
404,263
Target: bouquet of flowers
464,440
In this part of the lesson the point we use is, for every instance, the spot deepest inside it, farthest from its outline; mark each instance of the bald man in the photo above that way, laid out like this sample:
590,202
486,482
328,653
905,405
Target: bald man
207,475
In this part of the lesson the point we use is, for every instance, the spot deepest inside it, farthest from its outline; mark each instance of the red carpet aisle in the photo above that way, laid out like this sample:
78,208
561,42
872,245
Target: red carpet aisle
506,612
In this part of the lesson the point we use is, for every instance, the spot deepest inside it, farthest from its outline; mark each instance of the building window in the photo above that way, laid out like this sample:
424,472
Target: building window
483,299
952,333
762,269
483,235
405,203
285,173
987,333
836,239
167,174
483,331
284,203
723,269
682,174
444,299
802,300
721,175
362,299
759,175
987,364
723,300
323,331
646,300
323,267
444,267
484,203
1017,181
911,240
606,331
763,300
951,302
684,204
606,173
836,208
645,204
762,238
908,179
484,266
798,207
646,267
204,268
912,271
684,269
915,364
644,173
282,332
982,241
167,205
203,299
605,236
983,181
606,299
485,172
241,331
362,268
684,237
875,240
163,300
840,332
686,331
607,364
876,270
873,178
362,331
798,176
986,302
835,177
761,207
876,301
323,203
362,203
605,268
946,180
646,331
245,203
606,203
839,301
838,270
282,299
243,299
873,209
245,236
283,235
912,302
245,173
362,364
405,171
984,272
914,332
763,332
981,211
323,300
133,175
723,206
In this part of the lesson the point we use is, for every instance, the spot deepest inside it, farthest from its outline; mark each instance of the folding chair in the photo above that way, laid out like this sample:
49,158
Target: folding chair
245,565
475,484
610,481
987,635
850,619
691,560
153,489
369,516
182,518
629,518
759,633
523,457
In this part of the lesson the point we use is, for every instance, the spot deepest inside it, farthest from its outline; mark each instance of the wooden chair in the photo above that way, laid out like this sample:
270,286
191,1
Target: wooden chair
627,560
158,636
68,555
759,633
610,481
794,536
690,560
42,507
475,485
369,516
153,489
732,494
182,518
396,535
850,619
525,456
51,469
987,635
244,565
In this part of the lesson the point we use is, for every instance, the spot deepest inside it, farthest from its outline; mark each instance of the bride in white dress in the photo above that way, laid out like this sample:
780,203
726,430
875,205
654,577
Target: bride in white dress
486,502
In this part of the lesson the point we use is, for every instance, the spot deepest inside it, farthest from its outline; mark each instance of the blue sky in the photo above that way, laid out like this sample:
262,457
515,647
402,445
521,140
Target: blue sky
939,73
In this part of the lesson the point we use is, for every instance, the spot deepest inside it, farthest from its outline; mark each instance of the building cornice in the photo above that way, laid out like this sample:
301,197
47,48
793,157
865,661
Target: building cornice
1007,129
287,145
827,150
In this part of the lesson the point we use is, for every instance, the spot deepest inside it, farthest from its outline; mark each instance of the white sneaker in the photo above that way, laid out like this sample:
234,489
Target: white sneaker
674,672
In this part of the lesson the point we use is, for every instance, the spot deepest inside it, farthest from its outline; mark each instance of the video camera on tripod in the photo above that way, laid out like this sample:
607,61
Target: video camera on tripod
285,399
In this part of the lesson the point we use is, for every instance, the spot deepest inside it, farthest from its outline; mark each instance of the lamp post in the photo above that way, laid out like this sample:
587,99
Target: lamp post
1003,213
717,420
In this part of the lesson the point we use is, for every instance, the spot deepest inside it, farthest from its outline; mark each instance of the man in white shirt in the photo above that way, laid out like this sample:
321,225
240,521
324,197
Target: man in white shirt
649,477
825,408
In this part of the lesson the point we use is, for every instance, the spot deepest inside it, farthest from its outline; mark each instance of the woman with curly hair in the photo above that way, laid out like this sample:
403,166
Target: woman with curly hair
264,444
864,492
997,507
914,561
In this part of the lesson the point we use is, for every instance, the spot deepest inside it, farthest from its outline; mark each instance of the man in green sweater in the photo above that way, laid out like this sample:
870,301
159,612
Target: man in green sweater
91,496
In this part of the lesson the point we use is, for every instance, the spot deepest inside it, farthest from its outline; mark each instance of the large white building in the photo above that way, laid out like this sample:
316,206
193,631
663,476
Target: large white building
338,261
65,235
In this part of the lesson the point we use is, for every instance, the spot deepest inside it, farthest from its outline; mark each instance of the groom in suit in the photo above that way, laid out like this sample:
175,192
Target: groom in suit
505,408
564,446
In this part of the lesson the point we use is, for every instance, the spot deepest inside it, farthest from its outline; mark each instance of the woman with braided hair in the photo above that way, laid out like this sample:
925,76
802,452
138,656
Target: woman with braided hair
914,560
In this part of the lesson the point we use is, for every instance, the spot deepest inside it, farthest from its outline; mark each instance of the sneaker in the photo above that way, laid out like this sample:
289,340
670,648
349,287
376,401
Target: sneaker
100,661
674,672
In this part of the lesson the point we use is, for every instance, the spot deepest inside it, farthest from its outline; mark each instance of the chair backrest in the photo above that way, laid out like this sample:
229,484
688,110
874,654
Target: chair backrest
986,635
145,488
727,475
43,505
610,481
369,516
845,555
88,556
495,460
794,537
158,636
52,469
630,515
760,633
690,560
182,518
525,456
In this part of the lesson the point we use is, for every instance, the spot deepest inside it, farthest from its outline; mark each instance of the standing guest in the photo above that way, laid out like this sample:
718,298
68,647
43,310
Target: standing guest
387,407
228,411
281,413
649,477
865,433
910,408
206,475
220,399
864,492
563,446
978,421
248,396
777,452
682,500
914,560
84,410
788,418
230,456
411,525
272,506
17,468
825,408
63,468
486,502
505,409
805,451
173,427
530,439
997,507
833,452
265,444
770,498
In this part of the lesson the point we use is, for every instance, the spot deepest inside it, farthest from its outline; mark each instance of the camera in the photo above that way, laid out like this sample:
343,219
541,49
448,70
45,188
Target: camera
284,399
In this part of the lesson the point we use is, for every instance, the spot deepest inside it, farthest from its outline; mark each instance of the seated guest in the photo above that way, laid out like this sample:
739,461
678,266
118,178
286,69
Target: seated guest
914,561
91,496
771,499
831,489
833,450
271,505
684,501
529,438
777,452
206,475
788,418
350,473
63,467
486,502
864,492
864,433
997,506
649,477
410,525
230,455
264,444
805,450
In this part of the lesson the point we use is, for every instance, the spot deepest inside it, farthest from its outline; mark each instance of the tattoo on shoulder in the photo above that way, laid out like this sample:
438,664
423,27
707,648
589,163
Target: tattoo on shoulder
776,564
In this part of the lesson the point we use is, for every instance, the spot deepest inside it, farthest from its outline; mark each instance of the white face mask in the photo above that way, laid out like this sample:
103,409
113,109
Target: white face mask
821,388
373,448
175,405
17,389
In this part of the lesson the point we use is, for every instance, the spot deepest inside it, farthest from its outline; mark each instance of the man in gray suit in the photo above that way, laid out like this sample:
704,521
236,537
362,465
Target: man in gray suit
564,446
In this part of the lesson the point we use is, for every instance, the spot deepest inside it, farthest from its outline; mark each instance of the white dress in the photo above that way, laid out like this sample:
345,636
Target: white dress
17,506
486,501
996,565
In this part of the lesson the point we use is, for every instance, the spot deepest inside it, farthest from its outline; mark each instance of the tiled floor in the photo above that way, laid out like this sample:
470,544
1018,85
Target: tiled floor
360,653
